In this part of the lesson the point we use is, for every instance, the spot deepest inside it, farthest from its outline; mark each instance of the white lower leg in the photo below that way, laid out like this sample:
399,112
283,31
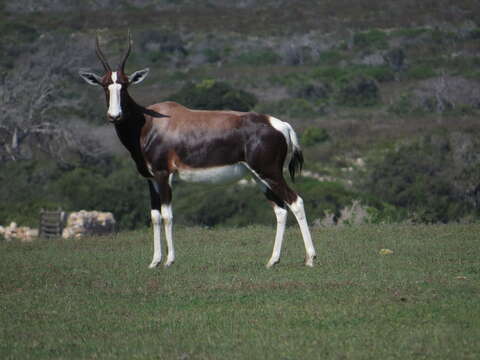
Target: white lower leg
299,212
167,217
281,215
157,246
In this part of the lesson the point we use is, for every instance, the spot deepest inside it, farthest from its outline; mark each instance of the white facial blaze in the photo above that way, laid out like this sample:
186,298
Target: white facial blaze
114,107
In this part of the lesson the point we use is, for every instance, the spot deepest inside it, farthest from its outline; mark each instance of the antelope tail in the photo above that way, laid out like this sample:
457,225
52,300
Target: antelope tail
296,162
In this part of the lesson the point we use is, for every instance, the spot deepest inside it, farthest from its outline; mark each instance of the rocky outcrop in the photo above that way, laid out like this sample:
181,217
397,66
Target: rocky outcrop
23,233
83,223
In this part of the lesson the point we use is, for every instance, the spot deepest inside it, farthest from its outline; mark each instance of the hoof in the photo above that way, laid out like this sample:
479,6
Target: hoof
154,264
271,264
168,264
309,260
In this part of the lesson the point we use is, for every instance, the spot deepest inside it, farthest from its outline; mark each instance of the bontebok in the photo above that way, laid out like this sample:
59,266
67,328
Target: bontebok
168,140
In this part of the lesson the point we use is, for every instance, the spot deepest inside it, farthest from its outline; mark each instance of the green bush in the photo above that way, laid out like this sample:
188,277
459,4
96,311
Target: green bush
214,95
371,39
321,198
410,33
404,106
244,205
310,90
212,55
331,57
358,91
26,188
207,205
428,179
420,72
18,32
314,135
400,107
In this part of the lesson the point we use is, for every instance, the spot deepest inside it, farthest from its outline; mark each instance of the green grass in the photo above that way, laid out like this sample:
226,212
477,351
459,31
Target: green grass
95,298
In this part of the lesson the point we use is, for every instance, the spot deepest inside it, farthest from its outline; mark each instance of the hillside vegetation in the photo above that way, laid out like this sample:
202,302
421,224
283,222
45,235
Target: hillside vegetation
384,95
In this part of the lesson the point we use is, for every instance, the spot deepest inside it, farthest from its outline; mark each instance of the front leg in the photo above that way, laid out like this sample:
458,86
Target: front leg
168,223
156,222
157,246
161,197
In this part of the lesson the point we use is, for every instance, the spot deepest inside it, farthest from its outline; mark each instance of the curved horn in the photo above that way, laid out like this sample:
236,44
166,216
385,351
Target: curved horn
101,56
122,66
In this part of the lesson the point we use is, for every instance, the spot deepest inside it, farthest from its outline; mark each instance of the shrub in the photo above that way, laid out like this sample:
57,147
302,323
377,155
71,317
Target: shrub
358,91
214,95
122,192
324,197
371,39
420,72
311,90
403,106
409,33
331,57
18,32
244,205
26,188
424,178
314,135
297,55
212,55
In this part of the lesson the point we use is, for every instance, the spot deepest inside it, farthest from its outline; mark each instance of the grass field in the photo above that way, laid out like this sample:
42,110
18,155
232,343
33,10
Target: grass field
95,298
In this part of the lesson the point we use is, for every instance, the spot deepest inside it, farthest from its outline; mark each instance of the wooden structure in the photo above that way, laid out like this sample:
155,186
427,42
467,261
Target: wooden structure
51,223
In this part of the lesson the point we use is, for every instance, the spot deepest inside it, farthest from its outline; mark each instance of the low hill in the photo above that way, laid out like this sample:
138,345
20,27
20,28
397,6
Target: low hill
362,83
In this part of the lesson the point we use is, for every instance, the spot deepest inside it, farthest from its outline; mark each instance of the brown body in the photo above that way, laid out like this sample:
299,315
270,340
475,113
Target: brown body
197,139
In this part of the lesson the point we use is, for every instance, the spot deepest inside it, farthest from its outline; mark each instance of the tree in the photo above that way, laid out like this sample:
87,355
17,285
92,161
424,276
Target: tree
33,102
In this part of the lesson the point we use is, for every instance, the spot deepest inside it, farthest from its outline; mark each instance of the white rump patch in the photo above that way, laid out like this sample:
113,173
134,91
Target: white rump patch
114,108
281,126
217,174
287,131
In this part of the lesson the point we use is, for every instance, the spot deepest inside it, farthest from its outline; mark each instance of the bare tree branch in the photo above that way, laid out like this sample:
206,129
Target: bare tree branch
32,99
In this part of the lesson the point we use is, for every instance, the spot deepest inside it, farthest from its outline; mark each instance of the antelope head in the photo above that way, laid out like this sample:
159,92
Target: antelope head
114,83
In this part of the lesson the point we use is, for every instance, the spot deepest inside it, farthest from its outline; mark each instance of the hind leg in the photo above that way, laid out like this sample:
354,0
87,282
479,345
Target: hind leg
280,194
299,211
281,214
295,204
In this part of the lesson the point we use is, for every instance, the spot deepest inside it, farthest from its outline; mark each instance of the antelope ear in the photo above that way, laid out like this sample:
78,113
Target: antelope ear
90,78
138,76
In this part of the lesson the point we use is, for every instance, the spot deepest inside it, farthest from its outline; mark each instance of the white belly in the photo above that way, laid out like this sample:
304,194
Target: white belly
217,174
